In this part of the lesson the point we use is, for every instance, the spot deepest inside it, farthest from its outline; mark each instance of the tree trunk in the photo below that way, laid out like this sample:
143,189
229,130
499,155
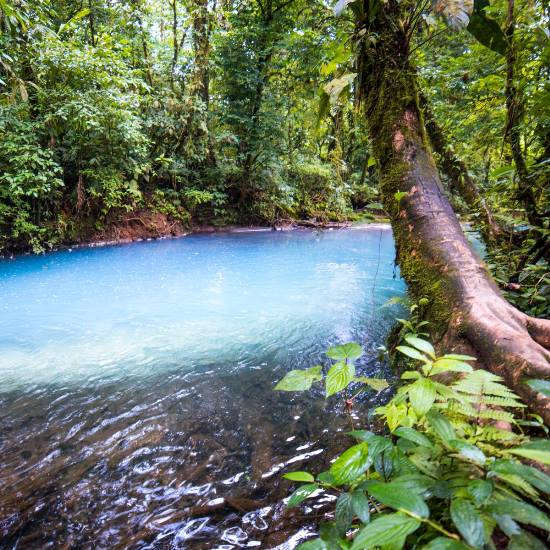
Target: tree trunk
457,172
175,42
91,19
514,110
466,308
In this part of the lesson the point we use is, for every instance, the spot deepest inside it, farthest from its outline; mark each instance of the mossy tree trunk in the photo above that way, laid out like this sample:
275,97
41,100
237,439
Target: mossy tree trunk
466,309
456,170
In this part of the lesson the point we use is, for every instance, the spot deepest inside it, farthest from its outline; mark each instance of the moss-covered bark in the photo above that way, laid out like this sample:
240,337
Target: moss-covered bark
466,308
457,172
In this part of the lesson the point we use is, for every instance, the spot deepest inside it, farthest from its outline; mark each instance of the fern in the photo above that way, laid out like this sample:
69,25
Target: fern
482,382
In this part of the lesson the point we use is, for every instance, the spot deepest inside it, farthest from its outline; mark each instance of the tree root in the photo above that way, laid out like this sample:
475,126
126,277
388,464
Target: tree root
509,344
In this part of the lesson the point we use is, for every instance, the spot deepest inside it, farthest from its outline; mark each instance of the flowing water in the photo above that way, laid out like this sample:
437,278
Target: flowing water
136,400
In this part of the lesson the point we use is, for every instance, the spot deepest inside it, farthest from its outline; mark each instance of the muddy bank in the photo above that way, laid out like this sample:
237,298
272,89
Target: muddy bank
147,225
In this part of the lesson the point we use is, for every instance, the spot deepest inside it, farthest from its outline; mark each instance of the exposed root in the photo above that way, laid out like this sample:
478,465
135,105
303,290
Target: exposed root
512,345
539,329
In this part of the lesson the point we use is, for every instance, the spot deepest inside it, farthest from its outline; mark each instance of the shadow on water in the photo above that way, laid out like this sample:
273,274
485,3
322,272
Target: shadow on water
178,456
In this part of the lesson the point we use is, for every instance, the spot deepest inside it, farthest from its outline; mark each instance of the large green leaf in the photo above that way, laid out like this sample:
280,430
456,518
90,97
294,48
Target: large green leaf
360,506
535,477
350,464
525,541
335,88
300,380
422,395
339,376
378,444
399,498
480,490
468,521
377,384
468,451
413,435
520,511
299,476
488,32
411,352
345,351
343,513
538,449
385,530
441,425
414,483
420,344
444,364
301,494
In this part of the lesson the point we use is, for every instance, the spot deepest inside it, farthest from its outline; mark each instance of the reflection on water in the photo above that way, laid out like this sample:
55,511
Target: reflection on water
136,402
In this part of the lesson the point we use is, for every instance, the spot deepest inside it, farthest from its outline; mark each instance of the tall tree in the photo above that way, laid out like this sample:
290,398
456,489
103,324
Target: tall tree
466,307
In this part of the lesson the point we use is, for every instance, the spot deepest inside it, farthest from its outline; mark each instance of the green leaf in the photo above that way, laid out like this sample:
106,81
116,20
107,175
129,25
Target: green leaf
336,86
468,522
315,544
444,543
441,425
385,530
538,449
542,386
422,395
301,494
480,490
458,357
399,498
422,345
520,511
444,364
411,352
343,514
413,435
345,351
378,444
360,506
488,32
535,477
300,380
339,376
377,384
414,483
362,435
299,476
525,541
350,464
507,525
467,451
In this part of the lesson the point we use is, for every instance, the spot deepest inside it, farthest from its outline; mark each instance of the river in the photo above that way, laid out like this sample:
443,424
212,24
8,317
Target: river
136,384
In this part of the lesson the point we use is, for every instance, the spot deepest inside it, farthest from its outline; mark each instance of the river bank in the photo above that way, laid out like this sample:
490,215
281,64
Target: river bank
148,225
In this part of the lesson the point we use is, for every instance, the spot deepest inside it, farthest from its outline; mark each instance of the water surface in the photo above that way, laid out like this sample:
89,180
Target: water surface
136,402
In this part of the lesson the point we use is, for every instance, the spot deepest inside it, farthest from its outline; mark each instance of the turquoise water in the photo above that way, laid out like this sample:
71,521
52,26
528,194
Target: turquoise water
136,381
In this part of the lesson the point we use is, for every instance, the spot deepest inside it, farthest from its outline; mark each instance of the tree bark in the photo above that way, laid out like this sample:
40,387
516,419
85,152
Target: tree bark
457,171
175,42
466,308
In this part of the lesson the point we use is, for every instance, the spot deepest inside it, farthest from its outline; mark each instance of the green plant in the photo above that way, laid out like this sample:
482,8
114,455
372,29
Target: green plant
445,476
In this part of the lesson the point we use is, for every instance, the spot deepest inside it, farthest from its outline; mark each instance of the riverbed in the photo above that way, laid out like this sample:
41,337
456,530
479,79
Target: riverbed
136,384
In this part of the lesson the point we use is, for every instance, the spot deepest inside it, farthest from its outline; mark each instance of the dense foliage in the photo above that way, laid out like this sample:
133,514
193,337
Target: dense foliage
204,113
448,472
